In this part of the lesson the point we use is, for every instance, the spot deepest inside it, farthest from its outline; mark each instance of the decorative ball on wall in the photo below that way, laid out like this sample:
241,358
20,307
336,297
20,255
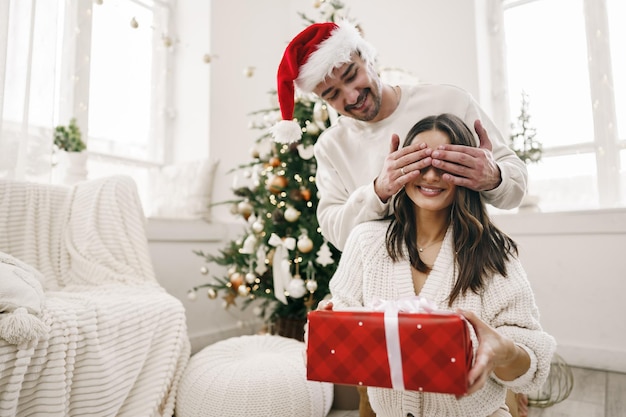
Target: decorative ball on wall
206,58
133,23
248,71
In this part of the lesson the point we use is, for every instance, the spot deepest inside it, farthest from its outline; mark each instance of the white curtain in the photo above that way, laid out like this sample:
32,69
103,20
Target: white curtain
29,80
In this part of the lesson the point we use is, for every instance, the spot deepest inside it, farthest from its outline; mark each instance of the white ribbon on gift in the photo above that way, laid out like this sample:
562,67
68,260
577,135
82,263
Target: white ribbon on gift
413,304
281,268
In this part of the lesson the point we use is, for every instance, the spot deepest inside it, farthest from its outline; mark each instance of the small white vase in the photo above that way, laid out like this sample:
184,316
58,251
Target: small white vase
76,169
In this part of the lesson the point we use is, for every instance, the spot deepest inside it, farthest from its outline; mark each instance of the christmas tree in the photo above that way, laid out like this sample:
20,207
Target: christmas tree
522,139
281,263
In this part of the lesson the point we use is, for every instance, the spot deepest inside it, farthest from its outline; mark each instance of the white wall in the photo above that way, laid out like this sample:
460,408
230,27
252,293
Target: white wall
576,262
172,244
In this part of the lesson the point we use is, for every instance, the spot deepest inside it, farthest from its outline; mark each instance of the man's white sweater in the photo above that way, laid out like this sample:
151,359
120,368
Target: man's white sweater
351,153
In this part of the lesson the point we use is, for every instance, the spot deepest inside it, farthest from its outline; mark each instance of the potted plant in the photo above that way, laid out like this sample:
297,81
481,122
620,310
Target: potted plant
69,139
525,145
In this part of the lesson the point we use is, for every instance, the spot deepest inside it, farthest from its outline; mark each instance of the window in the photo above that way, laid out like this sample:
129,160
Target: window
104,62
564,55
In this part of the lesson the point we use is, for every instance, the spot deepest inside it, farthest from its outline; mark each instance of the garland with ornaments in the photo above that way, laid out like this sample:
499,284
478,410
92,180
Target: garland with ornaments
281,264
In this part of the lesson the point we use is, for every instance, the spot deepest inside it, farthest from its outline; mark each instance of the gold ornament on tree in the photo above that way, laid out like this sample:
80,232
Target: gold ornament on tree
277,184
305,244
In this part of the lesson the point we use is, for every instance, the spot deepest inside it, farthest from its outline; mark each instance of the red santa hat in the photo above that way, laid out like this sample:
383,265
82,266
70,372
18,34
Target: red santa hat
309,58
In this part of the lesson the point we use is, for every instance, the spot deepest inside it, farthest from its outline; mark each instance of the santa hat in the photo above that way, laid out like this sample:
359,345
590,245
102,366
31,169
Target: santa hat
309,58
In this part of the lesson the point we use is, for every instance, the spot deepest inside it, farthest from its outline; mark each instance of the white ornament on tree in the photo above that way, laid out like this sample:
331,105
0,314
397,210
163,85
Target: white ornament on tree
248,245
305,244
296,287
292,214
311,285
250,278
320,114
324,255
258,226
305,152
261,254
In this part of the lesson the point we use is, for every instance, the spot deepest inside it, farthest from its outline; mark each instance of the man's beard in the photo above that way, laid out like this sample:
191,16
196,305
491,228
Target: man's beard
372,112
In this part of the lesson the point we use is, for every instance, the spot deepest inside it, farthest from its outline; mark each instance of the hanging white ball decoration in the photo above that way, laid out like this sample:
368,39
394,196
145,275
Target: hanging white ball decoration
292,214
258,226
243,290
191,295
211,293
245,208
311,285
305,244
250,278
296,287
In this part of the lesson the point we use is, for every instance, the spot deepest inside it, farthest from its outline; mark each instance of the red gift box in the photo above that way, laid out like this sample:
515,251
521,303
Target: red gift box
430,352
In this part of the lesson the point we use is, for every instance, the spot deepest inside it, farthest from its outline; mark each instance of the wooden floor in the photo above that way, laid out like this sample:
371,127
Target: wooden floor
595,394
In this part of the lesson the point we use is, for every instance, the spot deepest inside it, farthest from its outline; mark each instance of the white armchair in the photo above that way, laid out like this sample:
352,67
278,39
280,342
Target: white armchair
115,342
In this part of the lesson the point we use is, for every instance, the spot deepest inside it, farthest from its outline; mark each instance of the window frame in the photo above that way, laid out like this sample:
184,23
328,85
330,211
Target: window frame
606,144
75,83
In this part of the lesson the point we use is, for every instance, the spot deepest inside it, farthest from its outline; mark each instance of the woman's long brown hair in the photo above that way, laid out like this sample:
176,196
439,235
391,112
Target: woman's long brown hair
481,249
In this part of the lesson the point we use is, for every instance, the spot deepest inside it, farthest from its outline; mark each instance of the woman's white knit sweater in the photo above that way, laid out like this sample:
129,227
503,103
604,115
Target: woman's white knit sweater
367,273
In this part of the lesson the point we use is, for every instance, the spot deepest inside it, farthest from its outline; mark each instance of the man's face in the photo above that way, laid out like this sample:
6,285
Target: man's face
353,89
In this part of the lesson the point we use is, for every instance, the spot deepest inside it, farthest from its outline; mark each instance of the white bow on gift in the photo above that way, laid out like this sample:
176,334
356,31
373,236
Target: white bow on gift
282,273
412,304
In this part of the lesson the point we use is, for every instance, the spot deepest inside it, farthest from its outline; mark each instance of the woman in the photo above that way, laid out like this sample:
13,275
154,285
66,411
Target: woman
440,244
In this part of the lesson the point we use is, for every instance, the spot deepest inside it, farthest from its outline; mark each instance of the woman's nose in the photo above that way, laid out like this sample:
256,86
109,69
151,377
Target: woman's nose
431,173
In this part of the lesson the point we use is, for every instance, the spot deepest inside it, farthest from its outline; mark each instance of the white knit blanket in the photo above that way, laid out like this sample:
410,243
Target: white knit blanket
118,342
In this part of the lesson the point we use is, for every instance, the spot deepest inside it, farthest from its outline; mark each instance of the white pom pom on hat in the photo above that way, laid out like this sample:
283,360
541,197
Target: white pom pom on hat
308,59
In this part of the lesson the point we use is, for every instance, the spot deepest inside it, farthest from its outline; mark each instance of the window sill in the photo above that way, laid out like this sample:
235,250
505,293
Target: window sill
601,221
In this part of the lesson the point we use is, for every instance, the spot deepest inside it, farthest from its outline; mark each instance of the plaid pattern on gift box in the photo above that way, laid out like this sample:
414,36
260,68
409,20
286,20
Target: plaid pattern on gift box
351,347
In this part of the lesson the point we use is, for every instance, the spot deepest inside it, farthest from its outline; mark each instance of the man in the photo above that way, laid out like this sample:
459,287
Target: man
359,165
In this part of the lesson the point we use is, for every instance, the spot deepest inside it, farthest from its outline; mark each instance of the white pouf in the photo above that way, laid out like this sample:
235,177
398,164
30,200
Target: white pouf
258,375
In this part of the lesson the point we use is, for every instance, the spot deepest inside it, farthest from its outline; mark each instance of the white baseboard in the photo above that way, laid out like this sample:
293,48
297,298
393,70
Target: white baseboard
594,358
